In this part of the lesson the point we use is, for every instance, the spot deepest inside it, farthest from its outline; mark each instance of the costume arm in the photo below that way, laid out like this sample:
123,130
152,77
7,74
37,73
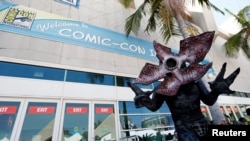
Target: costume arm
206,97
218,86
142,99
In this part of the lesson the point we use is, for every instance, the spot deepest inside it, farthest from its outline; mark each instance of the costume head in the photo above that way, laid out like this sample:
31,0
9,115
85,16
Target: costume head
178,69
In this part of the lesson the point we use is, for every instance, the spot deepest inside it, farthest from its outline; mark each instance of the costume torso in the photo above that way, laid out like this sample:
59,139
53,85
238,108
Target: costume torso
186,104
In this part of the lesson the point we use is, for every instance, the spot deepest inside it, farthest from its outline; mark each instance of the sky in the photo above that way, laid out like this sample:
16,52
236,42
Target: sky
232,5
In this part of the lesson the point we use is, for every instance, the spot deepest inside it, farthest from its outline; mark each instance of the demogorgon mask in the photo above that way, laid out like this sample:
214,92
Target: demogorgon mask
178,69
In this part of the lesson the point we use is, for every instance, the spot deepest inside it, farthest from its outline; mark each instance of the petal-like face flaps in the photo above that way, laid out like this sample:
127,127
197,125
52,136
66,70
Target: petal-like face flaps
192,51
195,48
150,73
169,86
162,51
194,72
172,83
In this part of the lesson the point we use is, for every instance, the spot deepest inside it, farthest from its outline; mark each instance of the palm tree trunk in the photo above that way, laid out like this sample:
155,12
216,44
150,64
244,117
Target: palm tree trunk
216,114
172,5
182,25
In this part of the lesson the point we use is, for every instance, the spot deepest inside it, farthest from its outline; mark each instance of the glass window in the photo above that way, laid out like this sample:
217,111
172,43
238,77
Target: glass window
142,122
160,134
122,81
236,111
76,119
39,122
91,78
204,111
145,121
29,71
104,122
128,107
8,113
230,116
243,109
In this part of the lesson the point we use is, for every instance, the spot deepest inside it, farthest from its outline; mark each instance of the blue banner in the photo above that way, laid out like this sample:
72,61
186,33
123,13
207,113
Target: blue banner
31,22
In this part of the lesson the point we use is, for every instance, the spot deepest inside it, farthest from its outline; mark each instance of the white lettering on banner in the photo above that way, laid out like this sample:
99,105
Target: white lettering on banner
77,109
133,48
76,31
106,42
48,26
79,35
41,110
3,109
152,52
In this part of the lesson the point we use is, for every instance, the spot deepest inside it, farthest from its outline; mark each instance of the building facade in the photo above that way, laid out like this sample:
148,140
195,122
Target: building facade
65,65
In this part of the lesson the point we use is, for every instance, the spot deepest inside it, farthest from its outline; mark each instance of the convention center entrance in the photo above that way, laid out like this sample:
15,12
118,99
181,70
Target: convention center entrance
58,120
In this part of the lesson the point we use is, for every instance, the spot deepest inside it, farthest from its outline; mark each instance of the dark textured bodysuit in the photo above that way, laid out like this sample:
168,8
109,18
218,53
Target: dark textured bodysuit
190,123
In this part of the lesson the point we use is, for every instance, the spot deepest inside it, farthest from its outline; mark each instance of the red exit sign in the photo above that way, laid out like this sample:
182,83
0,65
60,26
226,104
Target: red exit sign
8,109
77,110
41,110
104,110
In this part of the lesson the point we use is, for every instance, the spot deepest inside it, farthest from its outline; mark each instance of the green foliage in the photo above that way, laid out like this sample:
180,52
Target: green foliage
126,3
240,39
169,136
231,46
133,22
161,15
147,137
208,4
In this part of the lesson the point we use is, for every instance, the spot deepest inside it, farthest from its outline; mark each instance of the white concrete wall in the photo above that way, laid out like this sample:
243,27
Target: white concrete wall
35,88
12,87
109,14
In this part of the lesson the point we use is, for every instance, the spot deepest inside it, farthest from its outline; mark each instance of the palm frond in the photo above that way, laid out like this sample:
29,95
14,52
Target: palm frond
151,26
168,25
233,44
133,22
242,14
240,17
216,9
245,46
202,2
169,30
239,40
209,5
155,9
240,20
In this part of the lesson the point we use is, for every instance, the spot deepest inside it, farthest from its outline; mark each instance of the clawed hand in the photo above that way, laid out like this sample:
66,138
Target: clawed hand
221,85
139,94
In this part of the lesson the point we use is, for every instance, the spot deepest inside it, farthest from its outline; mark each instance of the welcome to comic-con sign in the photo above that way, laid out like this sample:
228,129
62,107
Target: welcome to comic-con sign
31,22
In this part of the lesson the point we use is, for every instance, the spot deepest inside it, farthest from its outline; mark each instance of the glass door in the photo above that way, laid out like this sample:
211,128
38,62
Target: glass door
9,113
104,122
38,121
75,125
88,121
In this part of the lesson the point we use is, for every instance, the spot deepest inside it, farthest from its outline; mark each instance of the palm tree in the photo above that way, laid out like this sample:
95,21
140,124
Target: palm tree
169,15
240,40
172,19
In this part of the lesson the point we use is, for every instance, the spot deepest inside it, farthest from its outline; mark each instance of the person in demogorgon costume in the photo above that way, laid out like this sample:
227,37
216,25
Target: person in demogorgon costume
190,123
182,87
